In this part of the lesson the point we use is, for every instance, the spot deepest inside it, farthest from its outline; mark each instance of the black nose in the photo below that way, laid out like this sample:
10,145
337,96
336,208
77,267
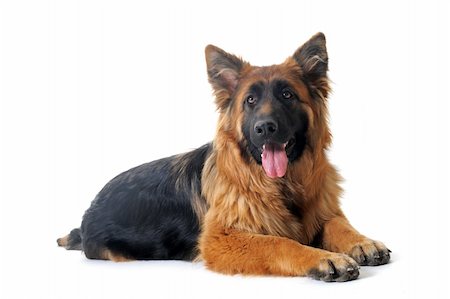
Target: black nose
265,128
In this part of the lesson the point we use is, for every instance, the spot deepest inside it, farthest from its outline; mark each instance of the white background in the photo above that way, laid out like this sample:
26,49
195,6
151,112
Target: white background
91,88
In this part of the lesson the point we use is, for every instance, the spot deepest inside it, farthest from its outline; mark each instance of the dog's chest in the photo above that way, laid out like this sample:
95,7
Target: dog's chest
274,215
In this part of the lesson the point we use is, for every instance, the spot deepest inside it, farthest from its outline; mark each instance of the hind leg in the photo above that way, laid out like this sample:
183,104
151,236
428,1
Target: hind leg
91,249
107,254
96,252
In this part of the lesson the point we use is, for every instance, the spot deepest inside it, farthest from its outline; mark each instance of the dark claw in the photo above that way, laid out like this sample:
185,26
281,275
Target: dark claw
334,273
385,257
374,257
365,259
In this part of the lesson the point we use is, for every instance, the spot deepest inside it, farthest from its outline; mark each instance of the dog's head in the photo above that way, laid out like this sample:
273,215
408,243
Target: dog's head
273,112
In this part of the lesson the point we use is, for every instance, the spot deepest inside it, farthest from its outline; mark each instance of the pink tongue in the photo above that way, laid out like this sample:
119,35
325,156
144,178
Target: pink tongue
274,160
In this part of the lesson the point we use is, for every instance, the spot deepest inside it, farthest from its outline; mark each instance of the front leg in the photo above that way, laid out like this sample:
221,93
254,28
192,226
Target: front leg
340,236
231,251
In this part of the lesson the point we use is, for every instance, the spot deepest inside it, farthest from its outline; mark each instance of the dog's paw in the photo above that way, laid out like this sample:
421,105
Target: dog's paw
336,267
370,253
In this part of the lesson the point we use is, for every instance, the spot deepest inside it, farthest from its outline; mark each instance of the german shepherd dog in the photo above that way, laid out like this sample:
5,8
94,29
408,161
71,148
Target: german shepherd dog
260,199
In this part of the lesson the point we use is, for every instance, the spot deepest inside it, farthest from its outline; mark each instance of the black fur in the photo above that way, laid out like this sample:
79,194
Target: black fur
146,212
74,240
154,211
313,58
292,125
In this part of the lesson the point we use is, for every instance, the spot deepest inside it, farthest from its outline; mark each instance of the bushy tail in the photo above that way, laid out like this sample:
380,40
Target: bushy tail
72,241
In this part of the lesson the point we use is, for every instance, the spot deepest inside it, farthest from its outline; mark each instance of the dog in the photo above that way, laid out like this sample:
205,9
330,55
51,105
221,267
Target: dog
261,199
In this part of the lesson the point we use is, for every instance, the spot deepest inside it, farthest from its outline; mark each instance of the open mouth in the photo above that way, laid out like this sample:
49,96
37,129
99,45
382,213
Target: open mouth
274,157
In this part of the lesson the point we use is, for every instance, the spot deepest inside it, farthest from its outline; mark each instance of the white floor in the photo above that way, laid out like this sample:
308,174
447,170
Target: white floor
71,275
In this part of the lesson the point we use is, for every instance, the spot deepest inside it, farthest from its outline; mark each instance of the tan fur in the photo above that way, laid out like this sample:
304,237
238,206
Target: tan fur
339,235
64,241
109,255
180,163
265,109
247,228
235,251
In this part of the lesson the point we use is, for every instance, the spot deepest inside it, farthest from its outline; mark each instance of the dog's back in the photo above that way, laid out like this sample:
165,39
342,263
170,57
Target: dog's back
152,211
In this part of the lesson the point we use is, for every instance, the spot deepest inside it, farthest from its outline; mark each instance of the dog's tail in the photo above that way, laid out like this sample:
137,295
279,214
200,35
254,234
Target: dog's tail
72,241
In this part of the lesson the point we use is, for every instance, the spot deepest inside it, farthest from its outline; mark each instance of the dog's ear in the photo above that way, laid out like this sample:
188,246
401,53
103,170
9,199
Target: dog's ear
313,59
223,73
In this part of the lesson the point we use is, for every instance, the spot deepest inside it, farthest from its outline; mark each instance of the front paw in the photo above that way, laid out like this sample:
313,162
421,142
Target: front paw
370,253
335,267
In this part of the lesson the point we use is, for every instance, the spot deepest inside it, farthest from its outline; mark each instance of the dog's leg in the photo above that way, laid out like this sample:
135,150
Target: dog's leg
109,255
233,252
340,236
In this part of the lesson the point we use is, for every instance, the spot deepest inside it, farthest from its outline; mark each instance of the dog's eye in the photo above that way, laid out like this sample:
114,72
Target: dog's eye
251,100
287,94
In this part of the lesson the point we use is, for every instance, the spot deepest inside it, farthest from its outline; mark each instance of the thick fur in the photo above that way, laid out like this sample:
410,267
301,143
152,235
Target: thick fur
217,204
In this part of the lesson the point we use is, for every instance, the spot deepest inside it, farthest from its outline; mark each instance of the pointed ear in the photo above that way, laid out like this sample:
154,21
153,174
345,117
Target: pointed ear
223,73
313,59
